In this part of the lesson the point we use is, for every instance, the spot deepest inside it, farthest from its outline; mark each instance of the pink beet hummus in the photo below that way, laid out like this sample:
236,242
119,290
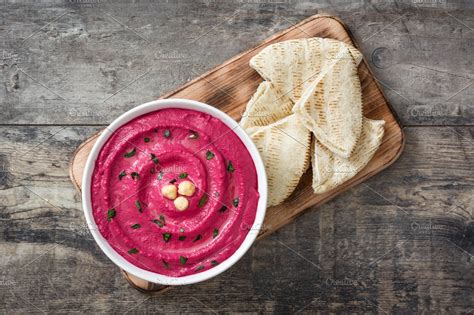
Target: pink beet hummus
162,148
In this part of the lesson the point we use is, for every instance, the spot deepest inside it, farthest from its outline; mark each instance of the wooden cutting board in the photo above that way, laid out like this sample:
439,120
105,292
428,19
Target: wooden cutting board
229,88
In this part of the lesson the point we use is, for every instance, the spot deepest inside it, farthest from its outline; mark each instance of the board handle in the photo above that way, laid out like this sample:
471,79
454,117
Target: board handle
144,286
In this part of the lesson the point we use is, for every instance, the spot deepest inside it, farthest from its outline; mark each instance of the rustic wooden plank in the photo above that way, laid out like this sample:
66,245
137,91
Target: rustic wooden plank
50,259
87,56
432,181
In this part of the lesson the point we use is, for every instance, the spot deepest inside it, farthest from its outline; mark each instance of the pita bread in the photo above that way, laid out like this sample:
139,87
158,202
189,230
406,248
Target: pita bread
265,107
285,150
320,77
331,170
312,87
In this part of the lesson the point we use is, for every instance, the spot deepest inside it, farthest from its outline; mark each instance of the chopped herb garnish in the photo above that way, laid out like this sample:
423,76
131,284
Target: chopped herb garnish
209,155
122,174
136,226
230,167
160,175
138,205
214,263
223,209
202,201
215,233
162,219
167,133
200,268
158,222
174,180
111,214
182,238
183,260
183,175
135,175
153,170
197,238
165,263
181,230
236,202
133,251
154,158
193,135
146,139
130,153
166,237
217,194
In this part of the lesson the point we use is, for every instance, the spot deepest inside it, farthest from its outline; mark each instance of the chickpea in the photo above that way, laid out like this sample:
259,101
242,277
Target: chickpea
186,188
169,191
181,203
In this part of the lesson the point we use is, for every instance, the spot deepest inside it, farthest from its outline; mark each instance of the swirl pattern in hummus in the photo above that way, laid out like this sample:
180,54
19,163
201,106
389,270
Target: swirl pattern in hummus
169,146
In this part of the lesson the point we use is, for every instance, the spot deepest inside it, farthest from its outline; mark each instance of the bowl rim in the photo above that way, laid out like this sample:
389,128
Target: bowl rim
147,108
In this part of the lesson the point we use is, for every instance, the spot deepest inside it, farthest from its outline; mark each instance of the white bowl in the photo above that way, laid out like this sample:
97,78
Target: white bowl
152,276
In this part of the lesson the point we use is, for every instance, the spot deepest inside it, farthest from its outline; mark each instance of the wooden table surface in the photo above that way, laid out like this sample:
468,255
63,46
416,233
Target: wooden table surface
402,242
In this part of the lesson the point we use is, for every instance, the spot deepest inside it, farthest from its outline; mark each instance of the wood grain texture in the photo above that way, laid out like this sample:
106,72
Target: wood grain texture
67,70
49,262
230,86
402,240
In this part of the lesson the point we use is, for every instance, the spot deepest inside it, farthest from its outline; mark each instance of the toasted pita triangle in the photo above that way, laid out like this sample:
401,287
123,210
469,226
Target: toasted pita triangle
320,76
285,150
265,107
331,170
